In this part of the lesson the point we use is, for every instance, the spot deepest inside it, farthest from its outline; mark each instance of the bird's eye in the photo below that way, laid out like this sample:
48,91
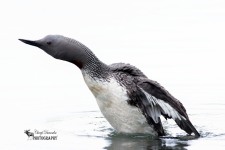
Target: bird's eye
49,43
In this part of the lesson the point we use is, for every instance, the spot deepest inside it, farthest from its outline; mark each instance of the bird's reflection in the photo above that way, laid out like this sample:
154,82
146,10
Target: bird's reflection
120,142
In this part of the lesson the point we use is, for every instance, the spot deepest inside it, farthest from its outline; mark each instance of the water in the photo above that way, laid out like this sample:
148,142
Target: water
207,118
211,129
85,128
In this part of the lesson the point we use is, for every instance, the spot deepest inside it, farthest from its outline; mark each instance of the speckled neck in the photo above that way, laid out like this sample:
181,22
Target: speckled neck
95,68
85,59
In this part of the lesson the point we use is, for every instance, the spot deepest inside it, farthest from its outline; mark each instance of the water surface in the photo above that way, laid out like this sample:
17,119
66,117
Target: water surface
93,131
82,127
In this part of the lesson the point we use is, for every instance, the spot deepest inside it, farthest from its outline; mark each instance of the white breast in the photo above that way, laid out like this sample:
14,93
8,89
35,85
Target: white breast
112,101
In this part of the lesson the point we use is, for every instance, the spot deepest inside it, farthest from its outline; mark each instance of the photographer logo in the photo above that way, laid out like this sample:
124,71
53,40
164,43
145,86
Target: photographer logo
41,135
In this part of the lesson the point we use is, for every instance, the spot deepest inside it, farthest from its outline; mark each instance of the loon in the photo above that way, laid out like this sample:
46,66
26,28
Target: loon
129,101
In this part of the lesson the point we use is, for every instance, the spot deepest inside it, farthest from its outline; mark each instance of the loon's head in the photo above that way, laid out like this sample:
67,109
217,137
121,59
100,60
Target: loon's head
63,48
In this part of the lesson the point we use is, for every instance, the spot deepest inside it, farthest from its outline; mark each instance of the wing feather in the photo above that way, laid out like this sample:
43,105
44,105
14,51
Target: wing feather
161,102
152,99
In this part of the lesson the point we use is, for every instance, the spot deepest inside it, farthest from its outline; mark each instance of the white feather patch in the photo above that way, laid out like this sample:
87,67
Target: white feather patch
158,106
112,101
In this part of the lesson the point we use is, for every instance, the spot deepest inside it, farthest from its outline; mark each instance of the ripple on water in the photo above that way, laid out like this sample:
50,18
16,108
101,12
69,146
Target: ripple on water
91,124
